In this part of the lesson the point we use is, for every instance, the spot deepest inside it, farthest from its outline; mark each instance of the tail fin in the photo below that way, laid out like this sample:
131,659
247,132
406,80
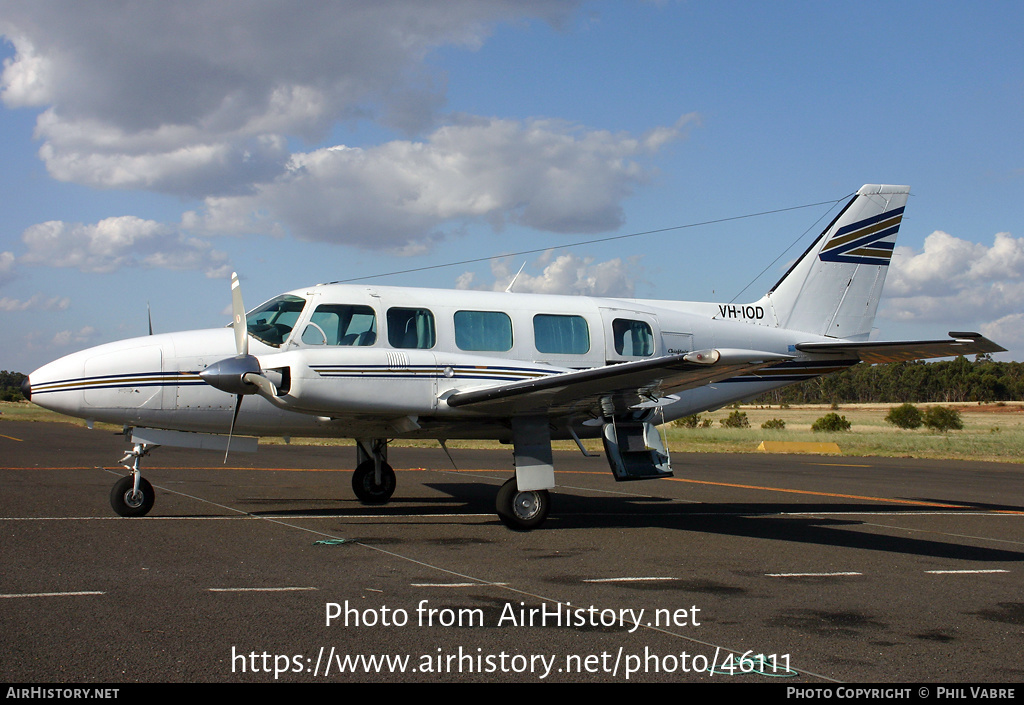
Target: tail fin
834,288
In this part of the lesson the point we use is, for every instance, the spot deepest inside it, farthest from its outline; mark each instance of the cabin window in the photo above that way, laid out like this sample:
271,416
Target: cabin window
632,338
341,324
273,321
411,328
483,331
561,335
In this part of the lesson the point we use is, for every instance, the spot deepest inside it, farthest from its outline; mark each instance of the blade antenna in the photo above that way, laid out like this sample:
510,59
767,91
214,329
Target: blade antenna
508,289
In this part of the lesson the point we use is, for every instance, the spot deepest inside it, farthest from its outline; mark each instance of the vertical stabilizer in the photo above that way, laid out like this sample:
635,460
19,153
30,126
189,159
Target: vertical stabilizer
834,288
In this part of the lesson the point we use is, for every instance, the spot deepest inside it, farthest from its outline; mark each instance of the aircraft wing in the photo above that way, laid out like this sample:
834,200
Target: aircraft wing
613,389
874,352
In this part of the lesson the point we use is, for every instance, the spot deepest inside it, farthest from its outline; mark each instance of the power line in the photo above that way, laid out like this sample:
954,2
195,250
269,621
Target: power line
589,242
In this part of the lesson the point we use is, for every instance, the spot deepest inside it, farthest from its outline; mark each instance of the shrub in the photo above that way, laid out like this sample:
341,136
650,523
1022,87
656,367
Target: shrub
942,418
831,422
905,416
687,421
774,424
737,419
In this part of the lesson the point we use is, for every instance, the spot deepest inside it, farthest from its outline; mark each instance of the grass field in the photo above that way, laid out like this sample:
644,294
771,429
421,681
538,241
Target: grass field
991,432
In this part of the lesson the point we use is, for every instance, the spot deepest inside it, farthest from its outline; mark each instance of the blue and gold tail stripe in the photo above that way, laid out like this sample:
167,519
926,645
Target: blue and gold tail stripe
862,242
138,379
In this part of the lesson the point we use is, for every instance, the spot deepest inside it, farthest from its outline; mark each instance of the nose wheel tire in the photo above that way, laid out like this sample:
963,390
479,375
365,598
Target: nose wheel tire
522,511
129,503
365,487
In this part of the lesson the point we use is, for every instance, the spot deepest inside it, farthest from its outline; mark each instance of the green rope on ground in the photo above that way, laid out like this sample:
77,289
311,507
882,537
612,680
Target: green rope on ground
755,665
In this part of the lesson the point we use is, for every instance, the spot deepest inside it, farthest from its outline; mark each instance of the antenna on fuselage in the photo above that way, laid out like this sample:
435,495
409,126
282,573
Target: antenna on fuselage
149,315
508,289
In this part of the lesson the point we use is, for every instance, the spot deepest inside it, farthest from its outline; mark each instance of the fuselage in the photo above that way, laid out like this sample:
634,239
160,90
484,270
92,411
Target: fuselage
364,361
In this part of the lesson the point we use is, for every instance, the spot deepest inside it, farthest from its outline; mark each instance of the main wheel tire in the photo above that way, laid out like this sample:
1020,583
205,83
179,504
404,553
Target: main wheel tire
522,511
128,503
368,491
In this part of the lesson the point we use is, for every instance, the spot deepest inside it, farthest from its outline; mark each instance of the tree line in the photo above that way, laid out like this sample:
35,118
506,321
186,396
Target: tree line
10,385
948,382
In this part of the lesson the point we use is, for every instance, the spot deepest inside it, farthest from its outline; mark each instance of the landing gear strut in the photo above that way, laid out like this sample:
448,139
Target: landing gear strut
133,495
373,480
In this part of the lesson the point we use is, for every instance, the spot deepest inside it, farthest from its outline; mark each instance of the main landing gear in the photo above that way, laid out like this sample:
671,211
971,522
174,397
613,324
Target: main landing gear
133,495
373,480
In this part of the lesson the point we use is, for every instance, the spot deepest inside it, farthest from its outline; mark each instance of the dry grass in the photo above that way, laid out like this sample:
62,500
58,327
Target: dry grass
991,432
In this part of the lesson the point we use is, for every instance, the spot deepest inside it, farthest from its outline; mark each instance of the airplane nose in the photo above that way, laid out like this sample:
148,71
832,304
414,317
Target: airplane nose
26,389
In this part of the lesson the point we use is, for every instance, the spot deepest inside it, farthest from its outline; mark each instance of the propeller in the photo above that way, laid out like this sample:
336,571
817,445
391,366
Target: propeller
241,374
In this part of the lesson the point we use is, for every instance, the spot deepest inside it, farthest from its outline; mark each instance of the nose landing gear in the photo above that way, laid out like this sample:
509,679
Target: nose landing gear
133,495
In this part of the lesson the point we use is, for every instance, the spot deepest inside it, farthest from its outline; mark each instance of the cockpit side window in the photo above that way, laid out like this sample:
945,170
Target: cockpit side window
272,322
341,324
411,328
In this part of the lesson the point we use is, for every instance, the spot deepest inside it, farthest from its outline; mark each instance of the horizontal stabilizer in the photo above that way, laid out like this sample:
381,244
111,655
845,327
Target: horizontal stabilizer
902,351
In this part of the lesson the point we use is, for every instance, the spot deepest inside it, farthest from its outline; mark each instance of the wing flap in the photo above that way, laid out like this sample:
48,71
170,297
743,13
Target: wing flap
875,352
603,391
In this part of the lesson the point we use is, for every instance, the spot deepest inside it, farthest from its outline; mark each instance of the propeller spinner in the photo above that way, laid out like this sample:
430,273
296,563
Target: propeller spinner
241,374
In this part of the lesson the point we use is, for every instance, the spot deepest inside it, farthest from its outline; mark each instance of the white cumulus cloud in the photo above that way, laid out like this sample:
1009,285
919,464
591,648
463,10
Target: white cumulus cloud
197,98
124,241
7,260
37,302
565,274
952,279
544,174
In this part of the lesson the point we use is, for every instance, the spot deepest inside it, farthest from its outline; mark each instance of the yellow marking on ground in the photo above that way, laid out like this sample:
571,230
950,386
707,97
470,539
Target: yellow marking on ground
12,438
798,447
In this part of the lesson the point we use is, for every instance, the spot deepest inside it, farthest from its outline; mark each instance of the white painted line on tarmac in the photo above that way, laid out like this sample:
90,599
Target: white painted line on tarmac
636,579
54,594
261,589
968,572
454,585
810,575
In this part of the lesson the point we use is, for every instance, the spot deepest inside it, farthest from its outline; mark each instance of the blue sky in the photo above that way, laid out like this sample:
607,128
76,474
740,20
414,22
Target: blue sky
148,151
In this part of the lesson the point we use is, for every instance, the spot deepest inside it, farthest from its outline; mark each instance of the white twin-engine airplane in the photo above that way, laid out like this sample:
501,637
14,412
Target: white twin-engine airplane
381,363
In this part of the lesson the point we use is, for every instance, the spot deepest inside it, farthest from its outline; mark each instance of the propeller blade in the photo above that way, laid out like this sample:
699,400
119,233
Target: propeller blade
231,430
238,317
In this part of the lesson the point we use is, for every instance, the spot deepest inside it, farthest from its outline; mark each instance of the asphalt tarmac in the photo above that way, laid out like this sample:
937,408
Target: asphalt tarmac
819,569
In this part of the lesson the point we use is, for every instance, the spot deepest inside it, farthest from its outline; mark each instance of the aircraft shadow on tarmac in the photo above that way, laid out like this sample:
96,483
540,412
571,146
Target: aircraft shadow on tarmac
791,522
